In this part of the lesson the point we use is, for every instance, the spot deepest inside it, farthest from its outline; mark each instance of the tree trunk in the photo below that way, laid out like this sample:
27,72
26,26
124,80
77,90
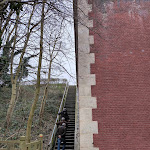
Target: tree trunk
14,81
45,93
46,87
12,102
7,21
30,119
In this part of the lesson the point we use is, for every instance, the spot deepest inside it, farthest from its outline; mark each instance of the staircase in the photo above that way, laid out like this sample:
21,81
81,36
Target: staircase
70,105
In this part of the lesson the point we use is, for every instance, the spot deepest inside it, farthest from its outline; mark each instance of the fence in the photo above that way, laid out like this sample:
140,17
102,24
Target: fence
22,145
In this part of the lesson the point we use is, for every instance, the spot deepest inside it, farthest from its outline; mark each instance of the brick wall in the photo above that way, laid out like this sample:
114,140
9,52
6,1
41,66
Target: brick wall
87,127
122,67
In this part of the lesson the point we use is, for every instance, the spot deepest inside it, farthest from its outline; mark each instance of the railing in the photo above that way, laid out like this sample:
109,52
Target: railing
22,145
10,145
53,137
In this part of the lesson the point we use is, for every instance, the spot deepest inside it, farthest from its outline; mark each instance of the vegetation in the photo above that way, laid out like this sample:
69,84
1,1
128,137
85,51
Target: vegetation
22,108
33,45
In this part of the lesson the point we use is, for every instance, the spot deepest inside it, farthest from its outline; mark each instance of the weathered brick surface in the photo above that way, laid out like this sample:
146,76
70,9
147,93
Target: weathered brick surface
122,67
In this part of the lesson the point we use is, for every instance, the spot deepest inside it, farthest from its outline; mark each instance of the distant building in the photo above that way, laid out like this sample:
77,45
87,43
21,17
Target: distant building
113,55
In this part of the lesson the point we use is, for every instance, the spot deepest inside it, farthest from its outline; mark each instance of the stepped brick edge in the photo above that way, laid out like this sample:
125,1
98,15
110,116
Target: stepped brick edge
85,78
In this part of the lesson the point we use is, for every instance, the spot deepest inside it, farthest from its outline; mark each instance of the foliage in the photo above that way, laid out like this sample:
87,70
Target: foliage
16,6
4,64
24,66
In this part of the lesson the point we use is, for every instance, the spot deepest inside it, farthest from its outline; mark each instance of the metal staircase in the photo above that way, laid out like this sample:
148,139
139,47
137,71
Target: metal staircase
70,105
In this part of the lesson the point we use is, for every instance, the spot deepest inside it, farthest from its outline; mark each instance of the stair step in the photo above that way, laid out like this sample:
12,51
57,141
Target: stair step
70,110
70,105
68,132
71,130
71,127
66,147
69,143
69,140
71,124
73,107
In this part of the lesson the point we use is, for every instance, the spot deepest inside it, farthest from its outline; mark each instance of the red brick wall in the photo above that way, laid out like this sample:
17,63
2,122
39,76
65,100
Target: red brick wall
122,67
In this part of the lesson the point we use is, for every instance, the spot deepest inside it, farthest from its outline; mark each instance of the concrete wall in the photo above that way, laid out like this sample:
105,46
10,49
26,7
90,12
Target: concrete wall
85,78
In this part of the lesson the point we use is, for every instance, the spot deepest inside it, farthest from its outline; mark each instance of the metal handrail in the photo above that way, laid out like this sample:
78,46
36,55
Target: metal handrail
53,136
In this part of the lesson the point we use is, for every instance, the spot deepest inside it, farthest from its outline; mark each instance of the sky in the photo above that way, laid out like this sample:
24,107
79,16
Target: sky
68,62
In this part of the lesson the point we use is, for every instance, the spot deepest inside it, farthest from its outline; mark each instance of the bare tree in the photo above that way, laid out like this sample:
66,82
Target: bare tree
30,119
14,78
53,54
29,30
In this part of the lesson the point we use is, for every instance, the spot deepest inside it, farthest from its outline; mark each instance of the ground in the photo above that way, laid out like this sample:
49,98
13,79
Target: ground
21,112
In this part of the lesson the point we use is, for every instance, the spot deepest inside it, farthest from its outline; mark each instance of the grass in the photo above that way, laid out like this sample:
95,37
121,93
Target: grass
21,112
